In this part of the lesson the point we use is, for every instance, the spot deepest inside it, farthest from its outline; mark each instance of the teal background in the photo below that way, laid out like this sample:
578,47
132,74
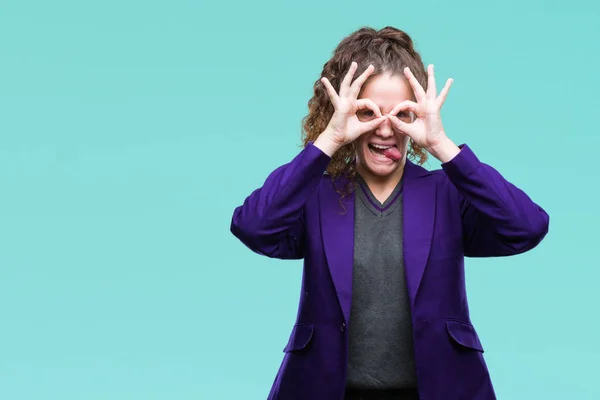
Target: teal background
130,130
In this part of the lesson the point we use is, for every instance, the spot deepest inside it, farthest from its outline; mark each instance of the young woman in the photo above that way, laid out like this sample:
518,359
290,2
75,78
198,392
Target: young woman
383,311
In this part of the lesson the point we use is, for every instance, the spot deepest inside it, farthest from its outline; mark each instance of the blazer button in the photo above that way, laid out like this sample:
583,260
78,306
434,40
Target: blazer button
343,327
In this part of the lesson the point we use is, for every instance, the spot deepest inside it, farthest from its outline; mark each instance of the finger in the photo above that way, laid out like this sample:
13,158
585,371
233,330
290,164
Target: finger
355,87
371,125
431,89
414,83
345,86
399,126
330,91
370,104
442,97
403,106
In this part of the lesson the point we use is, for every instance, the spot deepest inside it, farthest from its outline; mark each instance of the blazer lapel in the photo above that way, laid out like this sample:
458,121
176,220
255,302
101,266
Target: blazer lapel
337,231
419,196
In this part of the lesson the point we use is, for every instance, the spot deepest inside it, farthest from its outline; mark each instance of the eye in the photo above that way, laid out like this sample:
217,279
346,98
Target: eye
365,115
405,115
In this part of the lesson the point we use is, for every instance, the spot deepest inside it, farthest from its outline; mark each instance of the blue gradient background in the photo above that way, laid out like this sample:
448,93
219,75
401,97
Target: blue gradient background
130,130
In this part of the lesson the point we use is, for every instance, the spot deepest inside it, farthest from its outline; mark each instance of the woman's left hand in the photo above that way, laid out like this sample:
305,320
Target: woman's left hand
426,130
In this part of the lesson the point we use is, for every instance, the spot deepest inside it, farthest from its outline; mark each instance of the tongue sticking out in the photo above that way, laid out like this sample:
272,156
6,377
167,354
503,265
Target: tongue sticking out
392,153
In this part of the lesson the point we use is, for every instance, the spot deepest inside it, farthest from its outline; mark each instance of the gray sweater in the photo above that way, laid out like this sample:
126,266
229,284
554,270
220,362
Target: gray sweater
380,329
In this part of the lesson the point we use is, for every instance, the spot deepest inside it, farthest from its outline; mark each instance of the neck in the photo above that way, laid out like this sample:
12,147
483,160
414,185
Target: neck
382,186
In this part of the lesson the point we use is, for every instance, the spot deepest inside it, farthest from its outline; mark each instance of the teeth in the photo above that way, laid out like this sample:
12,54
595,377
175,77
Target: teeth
377,146
376,154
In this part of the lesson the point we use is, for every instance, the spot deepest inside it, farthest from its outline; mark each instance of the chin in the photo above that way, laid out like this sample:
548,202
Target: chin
382,170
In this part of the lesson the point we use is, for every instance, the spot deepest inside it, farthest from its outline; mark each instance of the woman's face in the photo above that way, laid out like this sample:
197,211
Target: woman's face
386,92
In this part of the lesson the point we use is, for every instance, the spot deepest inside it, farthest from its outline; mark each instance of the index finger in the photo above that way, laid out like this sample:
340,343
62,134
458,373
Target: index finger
370,104
405,105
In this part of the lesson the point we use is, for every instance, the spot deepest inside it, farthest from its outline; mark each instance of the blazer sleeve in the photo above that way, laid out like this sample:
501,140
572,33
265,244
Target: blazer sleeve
498,218
270,222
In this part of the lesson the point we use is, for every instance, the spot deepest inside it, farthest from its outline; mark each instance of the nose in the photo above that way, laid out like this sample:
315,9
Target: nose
384,130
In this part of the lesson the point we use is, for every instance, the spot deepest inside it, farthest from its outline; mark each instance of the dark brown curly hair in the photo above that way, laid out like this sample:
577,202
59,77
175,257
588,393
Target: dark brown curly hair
389,50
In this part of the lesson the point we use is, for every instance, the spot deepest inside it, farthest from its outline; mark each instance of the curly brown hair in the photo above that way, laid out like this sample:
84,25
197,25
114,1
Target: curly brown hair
389,50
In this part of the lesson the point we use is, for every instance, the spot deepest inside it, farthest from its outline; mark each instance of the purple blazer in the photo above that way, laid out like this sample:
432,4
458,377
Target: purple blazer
466,209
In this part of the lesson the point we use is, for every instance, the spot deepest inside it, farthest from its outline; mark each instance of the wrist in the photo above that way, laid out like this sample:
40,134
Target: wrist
327,144
444,151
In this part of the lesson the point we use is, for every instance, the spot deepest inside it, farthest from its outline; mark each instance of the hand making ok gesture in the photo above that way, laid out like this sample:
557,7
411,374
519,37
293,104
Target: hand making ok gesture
426,130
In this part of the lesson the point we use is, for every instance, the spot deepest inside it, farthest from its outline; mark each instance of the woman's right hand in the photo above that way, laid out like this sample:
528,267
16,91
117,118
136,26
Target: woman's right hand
344,126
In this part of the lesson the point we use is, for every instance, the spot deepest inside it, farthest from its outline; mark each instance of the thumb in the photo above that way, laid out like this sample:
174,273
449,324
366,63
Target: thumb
371,125
400,126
